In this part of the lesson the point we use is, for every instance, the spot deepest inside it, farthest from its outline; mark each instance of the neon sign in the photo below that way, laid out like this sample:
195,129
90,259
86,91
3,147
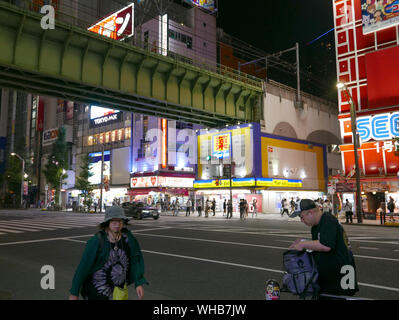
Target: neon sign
221,145
118,25
379,127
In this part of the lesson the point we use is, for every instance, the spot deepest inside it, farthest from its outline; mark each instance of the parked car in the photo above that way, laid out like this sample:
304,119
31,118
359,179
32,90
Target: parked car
140,210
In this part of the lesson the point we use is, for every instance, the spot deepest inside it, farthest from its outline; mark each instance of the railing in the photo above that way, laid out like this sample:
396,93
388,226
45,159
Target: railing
64,15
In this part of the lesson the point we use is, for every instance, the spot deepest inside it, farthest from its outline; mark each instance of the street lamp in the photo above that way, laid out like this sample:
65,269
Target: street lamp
343,87
23,175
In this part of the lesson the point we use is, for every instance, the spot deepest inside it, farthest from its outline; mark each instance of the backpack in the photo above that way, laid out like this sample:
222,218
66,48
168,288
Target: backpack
301,274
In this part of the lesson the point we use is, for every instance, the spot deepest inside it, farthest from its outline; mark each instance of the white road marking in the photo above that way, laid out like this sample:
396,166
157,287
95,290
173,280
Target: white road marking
213,261
22,228
10,230
369,248
24,225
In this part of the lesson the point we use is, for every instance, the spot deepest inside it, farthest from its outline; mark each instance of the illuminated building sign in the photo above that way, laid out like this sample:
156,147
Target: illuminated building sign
204,4
377,127
95,167
271,182
248,182
375,159
224,183
102,116
379,14
159,181
221,145
117,26
49,136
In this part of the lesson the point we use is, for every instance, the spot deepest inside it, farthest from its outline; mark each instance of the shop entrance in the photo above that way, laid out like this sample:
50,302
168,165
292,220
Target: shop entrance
373,201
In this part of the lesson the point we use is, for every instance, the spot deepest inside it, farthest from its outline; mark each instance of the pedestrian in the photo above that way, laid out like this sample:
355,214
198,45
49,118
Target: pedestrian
391,208
330,248
229,210
292,205
326,207
188,207
224,207
176,208
207,207
246,208
111,261
348,211
214,206
242,209
381,212
95,206
285,207
199,208
255,208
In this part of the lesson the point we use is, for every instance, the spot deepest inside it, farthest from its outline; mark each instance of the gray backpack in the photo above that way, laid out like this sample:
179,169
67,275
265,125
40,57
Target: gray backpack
301,274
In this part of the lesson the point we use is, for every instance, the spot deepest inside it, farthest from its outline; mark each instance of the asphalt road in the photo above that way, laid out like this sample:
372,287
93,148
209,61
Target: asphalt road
186,258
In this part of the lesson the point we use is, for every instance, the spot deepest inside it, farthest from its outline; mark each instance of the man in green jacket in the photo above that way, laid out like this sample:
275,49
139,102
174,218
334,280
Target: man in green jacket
112,258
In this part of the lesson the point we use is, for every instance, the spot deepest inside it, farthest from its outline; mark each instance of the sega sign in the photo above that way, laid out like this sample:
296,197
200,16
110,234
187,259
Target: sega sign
378,127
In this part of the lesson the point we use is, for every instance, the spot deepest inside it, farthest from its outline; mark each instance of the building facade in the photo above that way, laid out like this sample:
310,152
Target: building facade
367,39
266,167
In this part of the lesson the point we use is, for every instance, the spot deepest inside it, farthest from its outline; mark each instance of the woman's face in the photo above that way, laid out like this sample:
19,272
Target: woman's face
115,225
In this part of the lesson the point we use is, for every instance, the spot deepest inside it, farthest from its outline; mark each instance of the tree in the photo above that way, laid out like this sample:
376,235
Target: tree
57,161
13,177
82,182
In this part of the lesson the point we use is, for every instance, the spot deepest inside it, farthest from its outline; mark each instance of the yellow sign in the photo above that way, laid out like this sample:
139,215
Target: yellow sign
224,183
268,182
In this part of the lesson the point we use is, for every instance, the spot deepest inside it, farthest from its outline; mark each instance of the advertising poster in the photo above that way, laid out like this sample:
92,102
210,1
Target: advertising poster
379,14
95,167
221,145
209,5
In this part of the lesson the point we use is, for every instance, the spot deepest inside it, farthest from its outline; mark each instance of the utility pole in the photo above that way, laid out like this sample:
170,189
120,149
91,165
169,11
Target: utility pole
102,178
355,138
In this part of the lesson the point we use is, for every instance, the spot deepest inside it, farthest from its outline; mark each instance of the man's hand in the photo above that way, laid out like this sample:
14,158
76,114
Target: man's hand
296,245
72,297
140,292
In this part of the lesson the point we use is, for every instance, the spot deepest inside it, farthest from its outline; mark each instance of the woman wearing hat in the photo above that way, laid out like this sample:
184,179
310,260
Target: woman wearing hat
111,261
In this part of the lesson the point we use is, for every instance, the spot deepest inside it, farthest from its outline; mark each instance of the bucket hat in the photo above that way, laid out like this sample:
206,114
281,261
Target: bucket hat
114,212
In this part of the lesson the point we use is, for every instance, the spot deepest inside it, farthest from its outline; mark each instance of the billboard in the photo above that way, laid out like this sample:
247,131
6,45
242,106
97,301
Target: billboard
117,26
209,5
291,163
95,167
221,144
379,14
49,136
100,116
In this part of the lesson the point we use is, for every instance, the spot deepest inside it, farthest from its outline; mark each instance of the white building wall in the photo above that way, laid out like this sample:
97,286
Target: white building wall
317,122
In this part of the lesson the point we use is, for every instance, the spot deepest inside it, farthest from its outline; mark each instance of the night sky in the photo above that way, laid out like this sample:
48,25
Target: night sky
275,25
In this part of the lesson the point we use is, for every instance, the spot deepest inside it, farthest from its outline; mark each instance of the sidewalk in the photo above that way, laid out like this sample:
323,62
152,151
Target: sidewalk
277,216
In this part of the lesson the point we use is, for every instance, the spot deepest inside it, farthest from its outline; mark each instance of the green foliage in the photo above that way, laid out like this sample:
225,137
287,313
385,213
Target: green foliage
57,161
13,177
82,181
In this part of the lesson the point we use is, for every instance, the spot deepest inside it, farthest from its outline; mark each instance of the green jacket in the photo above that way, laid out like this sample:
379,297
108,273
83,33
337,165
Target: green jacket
92,262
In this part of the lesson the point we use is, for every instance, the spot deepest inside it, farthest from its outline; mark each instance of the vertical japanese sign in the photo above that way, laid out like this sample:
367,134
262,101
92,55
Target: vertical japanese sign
117,26
221,145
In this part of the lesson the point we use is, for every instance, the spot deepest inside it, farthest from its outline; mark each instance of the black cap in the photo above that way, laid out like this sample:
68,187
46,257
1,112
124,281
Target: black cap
305,204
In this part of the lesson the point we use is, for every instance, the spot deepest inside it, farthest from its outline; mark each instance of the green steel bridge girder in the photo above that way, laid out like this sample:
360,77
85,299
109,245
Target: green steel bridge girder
78,65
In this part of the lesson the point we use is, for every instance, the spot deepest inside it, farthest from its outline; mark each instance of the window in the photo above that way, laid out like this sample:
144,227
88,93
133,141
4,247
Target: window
189,43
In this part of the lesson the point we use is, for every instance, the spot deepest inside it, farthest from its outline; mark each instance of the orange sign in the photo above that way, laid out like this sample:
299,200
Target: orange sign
117,26
375,158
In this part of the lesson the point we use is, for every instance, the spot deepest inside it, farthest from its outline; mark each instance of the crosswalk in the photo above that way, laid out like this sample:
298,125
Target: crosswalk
17,226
